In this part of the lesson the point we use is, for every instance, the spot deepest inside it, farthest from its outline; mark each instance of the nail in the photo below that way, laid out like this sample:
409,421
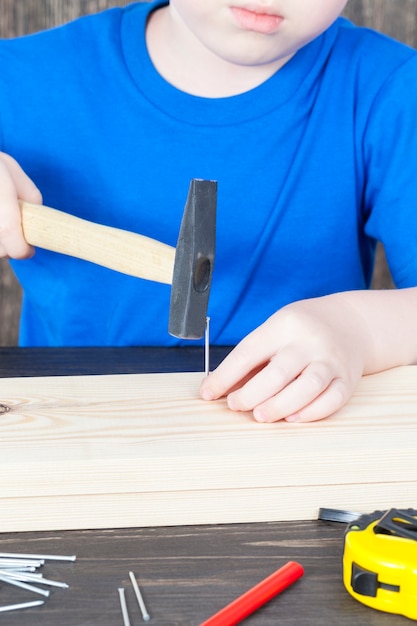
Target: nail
206,393
14,562
295,417
260,415
22,605
143,610
37,557
207,347
32,578
17,583
123,606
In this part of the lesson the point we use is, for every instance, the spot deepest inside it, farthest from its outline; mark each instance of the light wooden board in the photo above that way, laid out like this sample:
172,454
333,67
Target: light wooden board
144,450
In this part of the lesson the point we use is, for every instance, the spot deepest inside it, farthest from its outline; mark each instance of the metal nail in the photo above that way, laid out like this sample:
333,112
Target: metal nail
207,347
17,583
143,610
46,557
22,605
123,606
34,578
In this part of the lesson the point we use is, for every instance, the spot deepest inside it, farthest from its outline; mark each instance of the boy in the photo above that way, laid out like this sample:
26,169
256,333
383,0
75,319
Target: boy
309,126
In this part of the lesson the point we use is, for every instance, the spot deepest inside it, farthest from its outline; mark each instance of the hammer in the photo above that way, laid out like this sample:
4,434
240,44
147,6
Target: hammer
188,268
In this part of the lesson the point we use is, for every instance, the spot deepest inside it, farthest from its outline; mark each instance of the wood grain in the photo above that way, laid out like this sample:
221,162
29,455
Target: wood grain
187,573
144,450
10,305
397,18
19,17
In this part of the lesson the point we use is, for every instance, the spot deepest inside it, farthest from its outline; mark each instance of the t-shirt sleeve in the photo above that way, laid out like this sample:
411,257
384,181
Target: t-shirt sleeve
390,154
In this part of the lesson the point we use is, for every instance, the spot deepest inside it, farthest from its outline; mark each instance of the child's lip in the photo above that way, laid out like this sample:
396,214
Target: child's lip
258,19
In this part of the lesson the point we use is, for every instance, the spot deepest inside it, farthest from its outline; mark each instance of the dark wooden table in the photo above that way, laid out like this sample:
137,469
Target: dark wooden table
186,573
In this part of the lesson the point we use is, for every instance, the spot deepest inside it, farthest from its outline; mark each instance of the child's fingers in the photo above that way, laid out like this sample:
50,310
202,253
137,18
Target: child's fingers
239,365
14,184
315,394
327,403
12,241
282,369
24,187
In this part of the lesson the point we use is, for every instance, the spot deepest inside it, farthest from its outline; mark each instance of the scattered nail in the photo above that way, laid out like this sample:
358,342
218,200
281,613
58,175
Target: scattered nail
18,583
123,606
20,570
38,557
22,605
143,610
34,578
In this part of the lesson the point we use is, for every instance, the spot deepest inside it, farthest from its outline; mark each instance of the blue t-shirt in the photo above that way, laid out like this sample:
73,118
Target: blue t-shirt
313,166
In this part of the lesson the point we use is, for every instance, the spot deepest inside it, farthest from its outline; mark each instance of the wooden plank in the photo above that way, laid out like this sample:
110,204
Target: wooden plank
19,17
397,19
145,450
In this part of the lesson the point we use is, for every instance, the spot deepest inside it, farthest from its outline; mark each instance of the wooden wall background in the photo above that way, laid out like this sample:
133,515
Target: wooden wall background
397,18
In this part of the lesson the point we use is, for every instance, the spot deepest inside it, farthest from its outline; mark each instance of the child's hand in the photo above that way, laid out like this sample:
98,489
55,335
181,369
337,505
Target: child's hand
302,364
14,185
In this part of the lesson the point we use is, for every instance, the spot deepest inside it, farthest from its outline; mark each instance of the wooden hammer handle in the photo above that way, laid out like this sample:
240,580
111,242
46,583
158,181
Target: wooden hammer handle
116,249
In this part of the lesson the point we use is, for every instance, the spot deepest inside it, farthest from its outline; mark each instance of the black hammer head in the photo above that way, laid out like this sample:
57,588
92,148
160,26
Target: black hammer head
194,259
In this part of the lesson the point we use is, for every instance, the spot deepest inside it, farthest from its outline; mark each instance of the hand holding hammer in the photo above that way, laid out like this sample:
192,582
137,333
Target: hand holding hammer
188,267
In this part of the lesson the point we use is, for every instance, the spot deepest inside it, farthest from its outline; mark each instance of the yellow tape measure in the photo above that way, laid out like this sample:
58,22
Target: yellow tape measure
380,561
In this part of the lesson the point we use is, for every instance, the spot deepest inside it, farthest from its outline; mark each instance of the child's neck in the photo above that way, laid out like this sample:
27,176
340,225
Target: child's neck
192,68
